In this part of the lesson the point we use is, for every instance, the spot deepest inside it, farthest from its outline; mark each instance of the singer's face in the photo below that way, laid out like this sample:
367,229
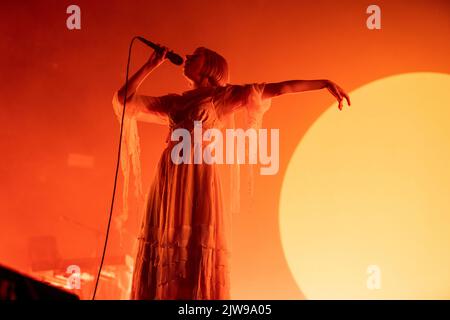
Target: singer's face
193,65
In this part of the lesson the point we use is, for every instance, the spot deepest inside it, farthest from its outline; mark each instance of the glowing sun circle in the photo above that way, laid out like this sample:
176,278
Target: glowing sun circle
364,206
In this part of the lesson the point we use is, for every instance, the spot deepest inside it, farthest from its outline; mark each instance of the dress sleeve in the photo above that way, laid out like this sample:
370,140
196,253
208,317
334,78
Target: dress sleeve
146,108
232,98
227,101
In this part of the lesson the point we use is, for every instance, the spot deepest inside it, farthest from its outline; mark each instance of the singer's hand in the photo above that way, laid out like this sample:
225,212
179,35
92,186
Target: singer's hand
158,56
338,93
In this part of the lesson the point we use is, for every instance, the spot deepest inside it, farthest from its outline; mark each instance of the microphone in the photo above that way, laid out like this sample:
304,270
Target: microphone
172,56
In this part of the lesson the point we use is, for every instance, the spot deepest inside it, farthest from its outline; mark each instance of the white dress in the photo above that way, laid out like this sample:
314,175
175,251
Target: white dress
183,250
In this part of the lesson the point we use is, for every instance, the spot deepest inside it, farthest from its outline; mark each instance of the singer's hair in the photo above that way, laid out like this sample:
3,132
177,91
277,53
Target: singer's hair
215,67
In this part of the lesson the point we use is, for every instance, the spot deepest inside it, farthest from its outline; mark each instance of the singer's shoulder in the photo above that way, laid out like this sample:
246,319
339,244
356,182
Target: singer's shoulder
171,96
198,92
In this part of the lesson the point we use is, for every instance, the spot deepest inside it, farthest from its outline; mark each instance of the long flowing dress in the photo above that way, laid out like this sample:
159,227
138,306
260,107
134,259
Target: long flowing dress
183,252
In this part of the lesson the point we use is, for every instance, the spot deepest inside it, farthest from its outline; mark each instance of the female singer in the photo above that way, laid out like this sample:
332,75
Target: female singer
182,251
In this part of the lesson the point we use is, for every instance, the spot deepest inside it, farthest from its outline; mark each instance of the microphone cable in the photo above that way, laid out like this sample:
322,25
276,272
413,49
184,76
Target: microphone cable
117,169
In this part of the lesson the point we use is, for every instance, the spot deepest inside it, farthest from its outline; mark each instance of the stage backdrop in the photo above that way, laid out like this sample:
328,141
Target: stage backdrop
359,194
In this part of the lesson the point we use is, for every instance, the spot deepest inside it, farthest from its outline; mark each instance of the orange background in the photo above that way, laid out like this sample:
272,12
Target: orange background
57,87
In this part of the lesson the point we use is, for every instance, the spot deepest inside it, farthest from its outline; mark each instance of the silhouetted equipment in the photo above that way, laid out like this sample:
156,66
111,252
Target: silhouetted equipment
49,266
16,286
45,256
43,253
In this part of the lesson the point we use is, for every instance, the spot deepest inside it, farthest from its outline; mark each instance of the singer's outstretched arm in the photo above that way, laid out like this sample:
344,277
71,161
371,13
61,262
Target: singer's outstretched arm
136,79
292,86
